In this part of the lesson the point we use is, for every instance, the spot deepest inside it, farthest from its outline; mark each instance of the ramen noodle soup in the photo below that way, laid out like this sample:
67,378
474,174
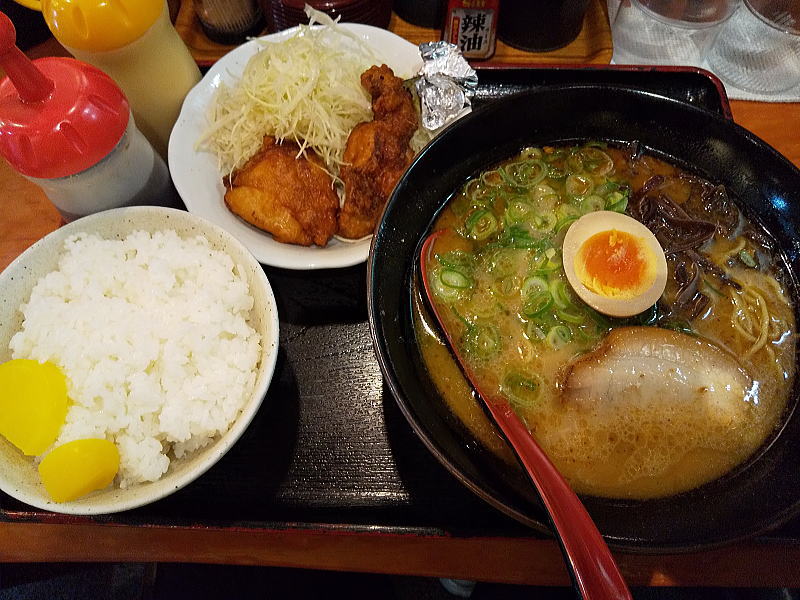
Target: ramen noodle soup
635,320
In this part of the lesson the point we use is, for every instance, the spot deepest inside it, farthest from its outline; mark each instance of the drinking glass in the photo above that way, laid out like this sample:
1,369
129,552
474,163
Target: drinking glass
758,50
677,32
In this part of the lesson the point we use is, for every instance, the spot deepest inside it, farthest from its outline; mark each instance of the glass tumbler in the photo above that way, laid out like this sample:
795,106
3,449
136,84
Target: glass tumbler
676,32
758,50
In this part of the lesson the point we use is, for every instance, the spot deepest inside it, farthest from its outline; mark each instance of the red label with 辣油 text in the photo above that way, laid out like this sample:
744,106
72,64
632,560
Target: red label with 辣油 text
471,25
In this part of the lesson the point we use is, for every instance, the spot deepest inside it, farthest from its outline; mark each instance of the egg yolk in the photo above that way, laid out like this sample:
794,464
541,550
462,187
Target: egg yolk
615,264
76,468
33,404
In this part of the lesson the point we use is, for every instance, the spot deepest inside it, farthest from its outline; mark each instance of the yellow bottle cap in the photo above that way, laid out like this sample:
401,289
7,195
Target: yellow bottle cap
100,25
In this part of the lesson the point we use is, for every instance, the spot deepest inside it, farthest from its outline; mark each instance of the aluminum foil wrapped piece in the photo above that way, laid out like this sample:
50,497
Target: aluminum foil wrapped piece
444,84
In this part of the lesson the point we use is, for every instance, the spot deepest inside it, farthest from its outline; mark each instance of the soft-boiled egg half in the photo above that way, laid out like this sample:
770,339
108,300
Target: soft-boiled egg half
614,263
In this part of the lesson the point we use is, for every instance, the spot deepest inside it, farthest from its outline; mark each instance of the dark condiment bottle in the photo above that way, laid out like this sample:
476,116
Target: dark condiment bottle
472,26
541,26
423,13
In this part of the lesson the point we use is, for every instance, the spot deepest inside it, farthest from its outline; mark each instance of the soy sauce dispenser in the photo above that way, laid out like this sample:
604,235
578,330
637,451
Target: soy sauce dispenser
66,126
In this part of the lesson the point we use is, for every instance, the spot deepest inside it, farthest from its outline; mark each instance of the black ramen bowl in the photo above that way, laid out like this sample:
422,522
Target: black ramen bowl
757,496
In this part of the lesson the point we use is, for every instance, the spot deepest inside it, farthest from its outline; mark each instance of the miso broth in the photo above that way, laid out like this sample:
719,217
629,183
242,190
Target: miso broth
499,283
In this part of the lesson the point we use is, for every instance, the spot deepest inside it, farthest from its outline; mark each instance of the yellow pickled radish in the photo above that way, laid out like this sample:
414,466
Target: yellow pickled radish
79,467
33,404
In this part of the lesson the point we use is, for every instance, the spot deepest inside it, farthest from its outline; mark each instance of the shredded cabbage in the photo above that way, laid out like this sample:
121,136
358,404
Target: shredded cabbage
306,89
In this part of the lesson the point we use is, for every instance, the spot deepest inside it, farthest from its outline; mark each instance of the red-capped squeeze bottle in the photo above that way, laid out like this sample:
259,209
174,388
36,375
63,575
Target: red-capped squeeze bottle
67,127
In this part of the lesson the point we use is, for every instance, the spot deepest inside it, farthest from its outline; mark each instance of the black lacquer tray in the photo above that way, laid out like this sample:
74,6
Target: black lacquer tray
329,448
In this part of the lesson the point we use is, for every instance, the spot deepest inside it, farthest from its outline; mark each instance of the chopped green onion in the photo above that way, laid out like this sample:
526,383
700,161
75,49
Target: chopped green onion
485,197
505,286
619,207
545,221
571,315
606,188
543,190
461,318
565,222
586,332
525,173
597,162
531,153
492,177
554,172
457,259
519,389
455,279
560,292
559,336
574,162
480,195
471,188
592,203
537,304
444,292
482,341
747,259
518,210
518,235
552,264
535,331
617,201
578,185
532,285
501,262
538,260
483,305
481,224
550,200
568,210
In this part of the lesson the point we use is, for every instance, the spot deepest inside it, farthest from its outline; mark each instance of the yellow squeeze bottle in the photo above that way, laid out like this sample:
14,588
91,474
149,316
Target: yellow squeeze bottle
135,43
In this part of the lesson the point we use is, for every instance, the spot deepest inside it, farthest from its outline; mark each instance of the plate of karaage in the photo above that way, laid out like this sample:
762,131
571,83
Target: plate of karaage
275,205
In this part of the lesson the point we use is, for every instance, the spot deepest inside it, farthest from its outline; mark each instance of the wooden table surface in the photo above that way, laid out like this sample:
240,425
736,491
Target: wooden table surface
28,215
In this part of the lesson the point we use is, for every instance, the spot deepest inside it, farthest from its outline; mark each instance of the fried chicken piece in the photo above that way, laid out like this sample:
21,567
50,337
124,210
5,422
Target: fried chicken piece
291,197
377,152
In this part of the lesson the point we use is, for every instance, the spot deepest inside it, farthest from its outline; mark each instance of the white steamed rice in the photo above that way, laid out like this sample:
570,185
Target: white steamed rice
151,332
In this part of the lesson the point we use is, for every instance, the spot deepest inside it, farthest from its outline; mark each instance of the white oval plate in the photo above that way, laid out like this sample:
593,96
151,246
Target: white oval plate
199,181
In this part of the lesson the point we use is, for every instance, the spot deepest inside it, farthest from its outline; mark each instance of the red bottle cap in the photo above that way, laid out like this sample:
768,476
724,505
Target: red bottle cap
58,116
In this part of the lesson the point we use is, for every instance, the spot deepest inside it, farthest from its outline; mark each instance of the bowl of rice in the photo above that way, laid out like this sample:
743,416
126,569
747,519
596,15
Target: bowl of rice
166,330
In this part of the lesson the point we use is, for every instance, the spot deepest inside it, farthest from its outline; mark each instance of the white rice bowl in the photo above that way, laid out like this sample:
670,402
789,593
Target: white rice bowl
204,396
